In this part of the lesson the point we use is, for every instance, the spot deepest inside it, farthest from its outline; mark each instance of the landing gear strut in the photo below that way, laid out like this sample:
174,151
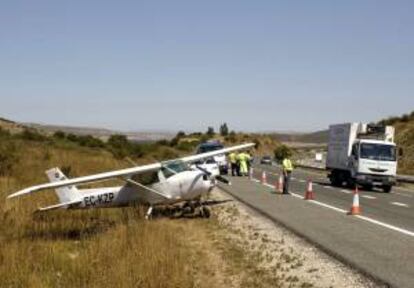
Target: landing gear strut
149,213
205,212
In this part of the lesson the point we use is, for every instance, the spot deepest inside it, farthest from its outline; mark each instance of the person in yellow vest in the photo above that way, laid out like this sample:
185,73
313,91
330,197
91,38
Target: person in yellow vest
233,163
244,158
287,167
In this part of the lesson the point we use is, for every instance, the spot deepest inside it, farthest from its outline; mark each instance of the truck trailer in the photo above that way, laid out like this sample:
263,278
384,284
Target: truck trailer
362,154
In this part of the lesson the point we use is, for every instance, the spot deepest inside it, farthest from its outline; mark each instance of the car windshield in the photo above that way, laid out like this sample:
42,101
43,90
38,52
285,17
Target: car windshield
379,152
209,148
266,158
171,168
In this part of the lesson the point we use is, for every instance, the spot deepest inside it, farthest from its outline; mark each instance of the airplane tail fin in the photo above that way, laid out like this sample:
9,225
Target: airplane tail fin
65,194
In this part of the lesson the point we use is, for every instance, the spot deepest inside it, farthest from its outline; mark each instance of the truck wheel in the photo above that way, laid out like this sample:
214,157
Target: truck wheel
350,183
336,181
368,187
387,188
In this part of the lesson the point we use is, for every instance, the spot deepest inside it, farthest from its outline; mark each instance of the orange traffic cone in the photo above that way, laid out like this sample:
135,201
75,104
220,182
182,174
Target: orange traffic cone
355,210
279,184
309,191
264,177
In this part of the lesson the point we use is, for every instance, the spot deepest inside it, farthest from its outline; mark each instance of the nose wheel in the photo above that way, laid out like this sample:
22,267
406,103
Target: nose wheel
205,212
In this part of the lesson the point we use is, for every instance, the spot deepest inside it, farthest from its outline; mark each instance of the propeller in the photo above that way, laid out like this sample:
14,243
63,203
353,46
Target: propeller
218,177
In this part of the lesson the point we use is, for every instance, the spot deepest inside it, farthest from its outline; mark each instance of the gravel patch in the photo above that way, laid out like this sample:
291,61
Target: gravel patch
279,251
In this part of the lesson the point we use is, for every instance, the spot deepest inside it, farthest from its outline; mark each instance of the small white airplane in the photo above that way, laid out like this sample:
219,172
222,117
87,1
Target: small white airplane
163,183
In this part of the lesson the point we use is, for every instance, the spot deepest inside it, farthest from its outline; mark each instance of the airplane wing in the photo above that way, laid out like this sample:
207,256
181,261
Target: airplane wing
125,173
194,158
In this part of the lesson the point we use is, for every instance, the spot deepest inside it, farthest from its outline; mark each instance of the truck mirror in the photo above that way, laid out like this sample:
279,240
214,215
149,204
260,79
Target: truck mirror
400,152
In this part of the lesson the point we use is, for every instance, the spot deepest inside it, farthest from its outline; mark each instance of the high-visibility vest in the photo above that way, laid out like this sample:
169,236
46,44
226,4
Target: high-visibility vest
287,165
233,158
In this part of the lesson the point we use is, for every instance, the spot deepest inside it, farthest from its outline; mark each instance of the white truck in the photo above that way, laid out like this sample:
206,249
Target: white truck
362,154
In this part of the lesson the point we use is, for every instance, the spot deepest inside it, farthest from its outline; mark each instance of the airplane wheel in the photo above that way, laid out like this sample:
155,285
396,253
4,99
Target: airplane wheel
205,212
188,210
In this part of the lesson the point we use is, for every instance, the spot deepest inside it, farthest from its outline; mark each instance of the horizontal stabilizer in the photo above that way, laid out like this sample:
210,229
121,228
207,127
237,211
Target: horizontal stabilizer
60,205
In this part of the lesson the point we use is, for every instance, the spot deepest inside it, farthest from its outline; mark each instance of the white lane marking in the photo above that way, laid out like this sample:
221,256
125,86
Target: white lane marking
401,230
405,195
368,197
345,191
255,180
382,224
301,181
269,185
329,187
293,178
399,204
379,223
296,195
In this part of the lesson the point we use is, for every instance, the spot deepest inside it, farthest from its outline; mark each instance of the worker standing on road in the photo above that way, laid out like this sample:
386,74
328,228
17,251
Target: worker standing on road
249,162
244,158
233,163
287,171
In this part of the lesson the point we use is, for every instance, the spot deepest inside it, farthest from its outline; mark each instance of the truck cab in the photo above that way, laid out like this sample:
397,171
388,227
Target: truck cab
374,163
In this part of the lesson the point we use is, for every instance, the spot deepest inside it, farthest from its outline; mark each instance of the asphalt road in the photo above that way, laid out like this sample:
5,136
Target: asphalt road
379,242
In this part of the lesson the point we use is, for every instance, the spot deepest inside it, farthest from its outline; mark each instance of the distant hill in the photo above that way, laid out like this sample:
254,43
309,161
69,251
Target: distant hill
102,133
11,126
318,137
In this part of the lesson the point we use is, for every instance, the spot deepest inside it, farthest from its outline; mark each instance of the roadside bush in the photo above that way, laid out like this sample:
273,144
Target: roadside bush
59,135
90,141
167,154
162,142
32,135
282,152
187,146
231,137
119,146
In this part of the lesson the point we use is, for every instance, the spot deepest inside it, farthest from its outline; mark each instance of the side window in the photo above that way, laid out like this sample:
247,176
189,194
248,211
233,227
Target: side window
167,172
146,178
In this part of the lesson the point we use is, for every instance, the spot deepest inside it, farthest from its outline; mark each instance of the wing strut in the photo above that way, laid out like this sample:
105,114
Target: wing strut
135,183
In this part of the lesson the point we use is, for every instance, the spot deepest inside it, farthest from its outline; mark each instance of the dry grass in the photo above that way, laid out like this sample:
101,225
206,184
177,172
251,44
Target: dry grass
405,140
104,247
93,248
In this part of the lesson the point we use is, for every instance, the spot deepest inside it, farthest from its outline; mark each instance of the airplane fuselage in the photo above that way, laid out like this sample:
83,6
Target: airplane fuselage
183,186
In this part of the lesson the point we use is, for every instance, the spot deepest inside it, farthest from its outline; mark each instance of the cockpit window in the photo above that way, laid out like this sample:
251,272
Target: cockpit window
171,168
210,161
146,178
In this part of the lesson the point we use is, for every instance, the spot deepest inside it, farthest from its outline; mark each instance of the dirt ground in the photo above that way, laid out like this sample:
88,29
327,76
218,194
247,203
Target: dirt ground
248,250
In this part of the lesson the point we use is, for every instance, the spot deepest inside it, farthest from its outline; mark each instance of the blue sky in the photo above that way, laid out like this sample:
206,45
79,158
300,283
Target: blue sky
169,65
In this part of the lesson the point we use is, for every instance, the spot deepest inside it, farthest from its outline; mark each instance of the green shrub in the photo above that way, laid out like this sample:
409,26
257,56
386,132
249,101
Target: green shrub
282,152
59,135
187,146
32,135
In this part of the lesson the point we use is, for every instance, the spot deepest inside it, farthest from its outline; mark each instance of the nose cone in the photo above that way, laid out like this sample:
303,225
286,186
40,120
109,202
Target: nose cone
206,184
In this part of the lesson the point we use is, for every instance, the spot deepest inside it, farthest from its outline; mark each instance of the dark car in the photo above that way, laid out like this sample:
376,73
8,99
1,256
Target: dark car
267,160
